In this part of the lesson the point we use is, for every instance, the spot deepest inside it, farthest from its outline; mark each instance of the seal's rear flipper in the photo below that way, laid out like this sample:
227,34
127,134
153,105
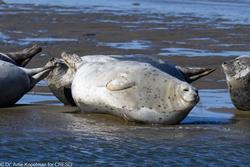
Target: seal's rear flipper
193,73
52,63
24,56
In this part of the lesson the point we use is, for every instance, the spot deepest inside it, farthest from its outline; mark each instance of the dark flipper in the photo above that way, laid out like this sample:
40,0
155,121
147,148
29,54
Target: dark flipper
193,73
24,56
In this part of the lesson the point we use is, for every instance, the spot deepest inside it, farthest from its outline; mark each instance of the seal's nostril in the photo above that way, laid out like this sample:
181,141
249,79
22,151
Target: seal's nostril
185,90
224,63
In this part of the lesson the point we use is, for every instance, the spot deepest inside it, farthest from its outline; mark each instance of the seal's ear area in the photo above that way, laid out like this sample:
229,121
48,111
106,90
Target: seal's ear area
72,60
119,83
193,73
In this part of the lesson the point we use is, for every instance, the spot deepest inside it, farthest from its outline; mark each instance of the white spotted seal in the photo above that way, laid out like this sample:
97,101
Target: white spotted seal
22,57
238,80
135,91
15,81
60,78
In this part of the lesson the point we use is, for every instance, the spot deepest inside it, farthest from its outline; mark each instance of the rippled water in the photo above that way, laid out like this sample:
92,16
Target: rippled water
27,40
51,133
199,52
236,12
129,45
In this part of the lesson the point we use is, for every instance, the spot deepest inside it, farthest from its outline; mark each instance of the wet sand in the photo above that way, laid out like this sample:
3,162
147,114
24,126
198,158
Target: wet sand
39,121
62,133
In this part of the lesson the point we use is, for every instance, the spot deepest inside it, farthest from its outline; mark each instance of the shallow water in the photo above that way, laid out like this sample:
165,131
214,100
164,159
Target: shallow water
230,10
204,138
163,27
129,45
3,36
28,41
46,39
199,52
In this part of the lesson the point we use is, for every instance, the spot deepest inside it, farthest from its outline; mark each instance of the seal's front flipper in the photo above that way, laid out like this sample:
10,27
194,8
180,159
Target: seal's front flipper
194,73
24,56
119,83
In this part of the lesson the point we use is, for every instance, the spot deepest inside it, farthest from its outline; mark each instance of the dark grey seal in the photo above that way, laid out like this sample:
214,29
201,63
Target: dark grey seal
238,80
15,81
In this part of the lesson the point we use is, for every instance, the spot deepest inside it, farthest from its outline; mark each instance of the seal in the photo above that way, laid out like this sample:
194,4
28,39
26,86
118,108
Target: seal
135,91
60,78
22,57
237,73
15,81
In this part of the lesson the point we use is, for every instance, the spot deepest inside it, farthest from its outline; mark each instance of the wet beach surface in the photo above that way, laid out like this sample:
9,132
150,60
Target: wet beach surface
189,33
46,131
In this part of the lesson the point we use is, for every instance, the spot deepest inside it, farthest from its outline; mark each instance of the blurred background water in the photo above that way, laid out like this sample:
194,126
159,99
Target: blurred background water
235,11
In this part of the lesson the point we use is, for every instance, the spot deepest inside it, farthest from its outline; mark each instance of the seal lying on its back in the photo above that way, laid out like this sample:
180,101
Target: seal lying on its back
132,90
21,58
16,81
238,80
60,78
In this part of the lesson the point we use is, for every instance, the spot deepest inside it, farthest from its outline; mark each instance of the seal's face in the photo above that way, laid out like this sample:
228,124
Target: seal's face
134,91
237,68
59,82
187,93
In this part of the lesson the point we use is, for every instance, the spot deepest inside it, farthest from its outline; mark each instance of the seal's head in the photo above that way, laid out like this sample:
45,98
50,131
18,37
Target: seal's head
59,82
187,93
236,68
238,79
